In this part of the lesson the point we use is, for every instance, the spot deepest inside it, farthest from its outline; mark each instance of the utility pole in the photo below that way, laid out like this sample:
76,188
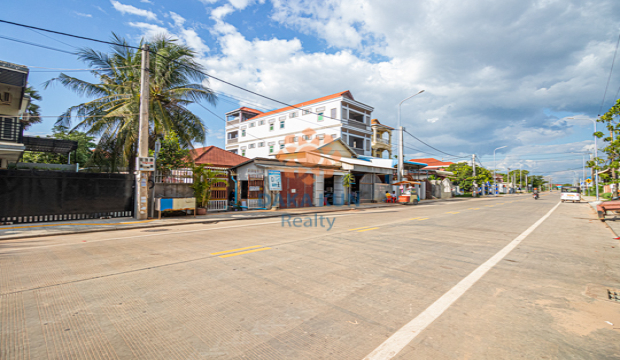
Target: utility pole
473,165
141,203
520,175
401,145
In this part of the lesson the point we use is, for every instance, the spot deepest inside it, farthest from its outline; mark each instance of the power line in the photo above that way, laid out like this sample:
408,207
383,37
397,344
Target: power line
167,58
34,44
609,77
434,148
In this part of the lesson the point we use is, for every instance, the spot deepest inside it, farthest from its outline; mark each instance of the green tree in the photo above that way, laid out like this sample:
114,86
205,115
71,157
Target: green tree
612,146
172,155
464,175
82,153
176,81
33,111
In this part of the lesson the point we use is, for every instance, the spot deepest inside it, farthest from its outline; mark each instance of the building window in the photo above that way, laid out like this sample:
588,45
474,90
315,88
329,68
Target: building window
243,132
293,114
281,146
334,136
305,112
320,136
294,138
320,116
261,144
262,122
270,149
333,113
270,127
243,152
320,109
234,151
251,146
281,124
306,137
252,124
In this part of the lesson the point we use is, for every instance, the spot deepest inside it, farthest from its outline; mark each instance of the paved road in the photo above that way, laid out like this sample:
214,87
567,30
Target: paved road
505,278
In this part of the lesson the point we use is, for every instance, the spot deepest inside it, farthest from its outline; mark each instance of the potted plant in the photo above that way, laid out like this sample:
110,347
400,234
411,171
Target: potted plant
204,177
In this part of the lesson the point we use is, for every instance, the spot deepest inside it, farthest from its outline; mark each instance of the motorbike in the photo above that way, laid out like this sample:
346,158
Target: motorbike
535,196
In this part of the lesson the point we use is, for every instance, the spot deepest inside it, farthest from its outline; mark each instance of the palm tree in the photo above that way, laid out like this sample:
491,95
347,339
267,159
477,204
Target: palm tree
33,111
113,115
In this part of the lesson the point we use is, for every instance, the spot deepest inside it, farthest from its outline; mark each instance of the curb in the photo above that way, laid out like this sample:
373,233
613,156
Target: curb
208,221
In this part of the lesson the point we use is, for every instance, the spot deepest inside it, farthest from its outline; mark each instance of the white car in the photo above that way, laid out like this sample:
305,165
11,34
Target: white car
570,193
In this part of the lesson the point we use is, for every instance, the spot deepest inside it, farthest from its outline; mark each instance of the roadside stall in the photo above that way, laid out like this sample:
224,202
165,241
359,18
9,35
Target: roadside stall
410,194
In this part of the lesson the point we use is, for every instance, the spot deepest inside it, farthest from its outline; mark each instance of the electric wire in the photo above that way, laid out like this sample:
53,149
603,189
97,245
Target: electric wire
609,77
35,44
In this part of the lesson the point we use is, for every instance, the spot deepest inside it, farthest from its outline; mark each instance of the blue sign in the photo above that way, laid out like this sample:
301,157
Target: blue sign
275,180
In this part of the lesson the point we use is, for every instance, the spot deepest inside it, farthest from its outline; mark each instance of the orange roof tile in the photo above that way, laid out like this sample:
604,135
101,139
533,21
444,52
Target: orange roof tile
250,110
216,156
306,103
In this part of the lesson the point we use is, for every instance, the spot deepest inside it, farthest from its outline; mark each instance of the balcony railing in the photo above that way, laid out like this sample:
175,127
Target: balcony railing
233,141
357,124
233,122
382,141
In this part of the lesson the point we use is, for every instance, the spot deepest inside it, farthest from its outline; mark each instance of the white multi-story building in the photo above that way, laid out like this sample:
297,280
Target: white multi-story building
252,133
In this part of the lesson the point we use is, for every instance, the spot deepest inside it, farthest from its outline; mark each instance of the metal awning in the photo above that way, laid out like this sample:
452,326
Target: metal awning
50,145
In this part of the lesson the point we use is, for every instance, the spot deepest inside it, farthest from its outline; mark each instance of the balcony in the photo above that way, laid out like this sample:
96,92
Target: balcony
232,141
11,130
235,121
357,124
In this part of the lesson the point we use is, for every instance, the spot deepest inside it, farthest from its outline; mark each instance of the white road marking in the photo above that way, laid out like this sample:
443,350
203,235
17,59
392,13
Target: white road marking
401,338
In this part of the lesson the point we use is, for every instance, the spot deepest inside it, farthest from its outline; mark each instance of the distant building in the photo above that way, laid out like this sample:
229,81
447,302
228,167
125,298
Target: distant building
253,133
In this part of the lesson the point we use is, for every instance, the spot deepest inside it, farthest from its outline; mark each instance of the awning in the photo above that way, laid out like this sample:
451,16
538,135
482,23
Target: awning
57,146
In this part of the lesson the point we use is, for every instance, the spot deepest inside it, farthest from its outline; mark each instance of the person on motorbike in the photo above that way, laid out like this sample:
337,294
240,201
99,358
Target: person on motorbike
535,193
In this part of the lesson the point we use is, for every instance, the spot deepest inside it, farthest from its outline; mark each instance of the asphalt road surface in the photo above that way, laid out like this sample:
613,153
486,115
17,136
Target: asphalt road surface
504,278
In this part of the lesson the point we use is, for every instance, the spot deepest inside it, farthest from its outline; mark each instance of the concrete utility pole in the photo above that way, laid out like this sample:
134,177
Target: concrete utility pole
520,175
527,184
508,178
473,165
401,146
494,166
141,203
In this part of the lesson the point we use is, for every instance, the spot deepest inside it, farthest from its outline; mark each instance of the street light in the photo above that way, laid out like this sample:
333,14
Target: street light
494,166
595,153
401,147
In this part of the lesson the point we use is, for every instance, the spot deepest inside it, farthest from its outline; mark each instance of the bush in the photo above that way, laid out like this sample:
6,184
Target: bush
606,196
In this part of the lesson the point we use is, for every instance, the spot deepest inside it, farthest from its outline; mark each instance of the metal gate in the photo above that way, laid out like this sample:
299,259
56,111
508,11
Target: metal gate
297,190
256,184
367,187
35,196
219,192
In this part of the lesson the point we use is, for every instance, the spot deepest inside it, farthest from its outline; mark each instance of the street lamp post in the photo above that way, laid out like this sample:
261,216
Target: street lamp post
595,153
494,166
401,147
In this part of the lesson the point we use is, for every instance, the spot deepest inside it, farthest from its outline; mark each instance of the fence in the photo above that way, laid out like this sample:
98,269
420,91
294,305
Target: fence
36,196
219,191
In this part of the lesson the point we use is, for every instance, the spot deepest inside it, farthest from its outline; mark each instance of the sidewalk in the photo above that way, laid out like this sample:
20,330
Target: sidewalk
26,230
612,220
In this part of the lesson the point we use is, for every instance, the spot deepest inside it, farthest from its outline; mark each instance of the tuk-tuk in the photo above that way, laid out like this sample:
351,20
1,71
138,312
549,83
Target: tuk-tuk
570,193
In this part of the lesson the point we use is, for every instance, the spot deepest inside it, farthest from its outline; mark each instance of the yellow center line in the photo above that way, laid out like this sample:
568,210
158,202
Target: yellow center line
419,219
489,205
363,227
233,250
453,212
244,252
368,229
474,208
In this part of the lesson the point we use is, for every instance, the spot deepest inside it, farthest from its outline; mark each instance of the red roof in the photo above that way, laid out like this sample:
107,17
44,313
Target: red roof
433,163
250,110
217,157
306,103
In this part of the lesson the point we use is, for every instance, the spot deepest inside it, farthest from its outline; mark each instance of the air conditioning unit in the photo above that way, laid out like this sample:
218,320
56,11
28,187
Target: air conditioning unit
5,98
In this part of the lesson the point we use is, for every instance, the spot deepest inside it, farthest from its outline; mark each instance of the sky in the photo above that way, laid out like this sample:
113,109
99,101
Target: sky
494,73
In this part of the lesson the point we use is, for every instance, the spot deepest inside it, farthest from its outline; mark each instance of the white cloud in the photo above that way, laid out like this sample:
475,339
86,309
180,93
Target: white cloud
146,1
82,14
129,9
150,30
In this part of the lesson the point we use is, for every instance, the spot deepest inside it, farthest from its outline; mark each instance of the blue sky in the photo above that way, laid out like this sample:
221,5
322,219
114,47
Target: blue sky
494,73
